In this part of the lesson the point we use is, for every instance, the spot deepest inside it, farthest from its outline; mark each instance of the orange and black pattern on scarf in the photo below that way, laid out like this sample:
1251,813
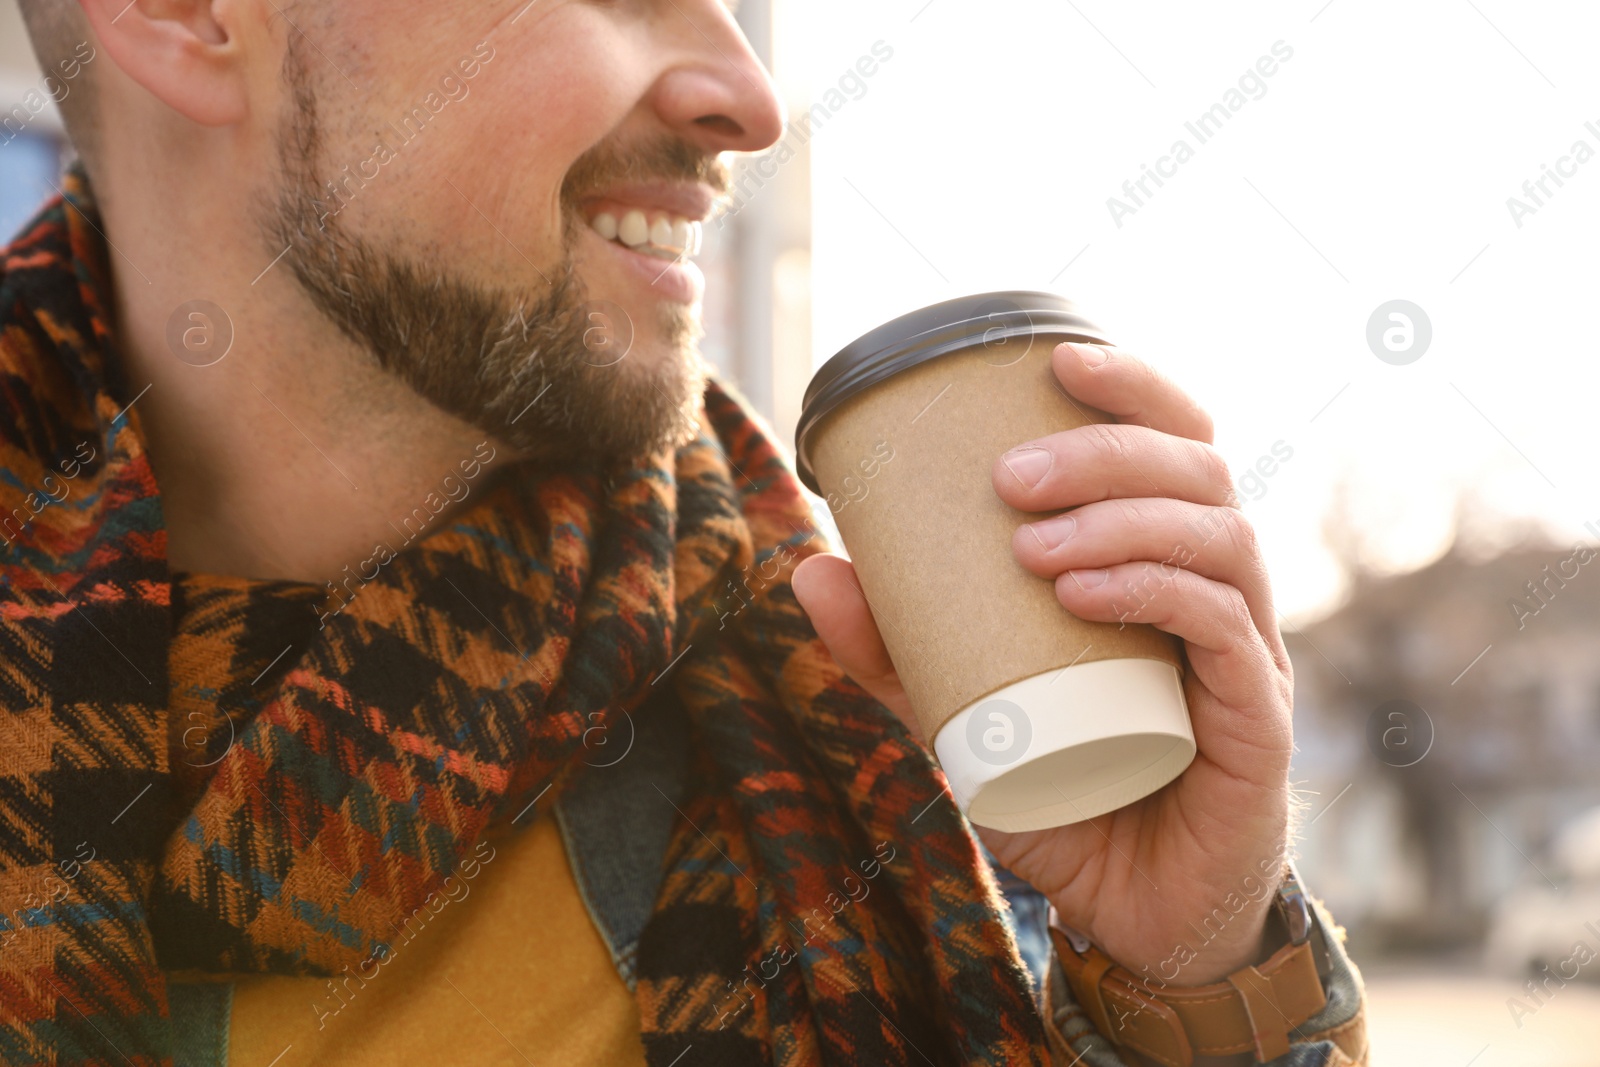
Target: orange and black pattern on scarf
457,686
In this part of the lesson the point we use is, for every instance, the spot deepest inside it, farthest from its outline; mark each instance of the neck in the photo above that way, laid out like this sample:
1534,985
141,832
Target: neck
294,455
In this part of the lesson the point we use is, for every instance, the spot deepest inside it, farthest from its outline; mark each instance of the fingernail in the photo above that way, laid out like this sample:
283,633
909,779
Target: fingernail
1091,355
1089,579
1029,465
1053,533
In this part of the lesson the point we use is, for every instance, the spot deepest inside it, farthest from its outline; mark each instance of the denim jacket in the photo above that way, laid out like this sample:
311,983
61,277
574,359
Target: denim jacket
616,826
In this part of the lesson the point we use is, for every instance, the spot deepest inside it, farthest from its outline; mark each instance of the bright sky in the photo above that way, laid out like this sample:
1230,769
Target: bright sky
1374,164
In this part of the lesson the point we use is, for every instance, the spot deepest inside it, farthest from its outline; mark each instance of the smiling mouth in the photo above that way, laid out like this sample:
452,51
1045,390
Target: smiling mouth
659,234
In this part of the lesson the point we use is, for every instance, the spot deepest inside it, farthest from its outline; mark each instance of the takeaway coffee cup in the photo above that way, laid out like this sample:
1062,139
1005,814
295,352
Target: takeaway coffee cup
1037,717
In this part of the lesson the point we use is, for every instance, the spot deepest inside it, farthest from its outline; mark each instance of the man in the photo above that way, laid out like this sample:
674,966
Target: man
371,691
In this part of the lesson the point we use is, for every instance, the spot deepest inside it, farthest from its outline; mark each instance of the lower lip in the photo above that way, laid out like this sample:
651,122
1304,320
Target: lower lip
679,280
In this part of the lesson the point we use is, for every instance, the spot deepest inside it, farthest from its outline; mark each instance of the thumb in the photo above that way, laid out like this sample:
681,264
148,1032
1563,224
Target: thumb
830,592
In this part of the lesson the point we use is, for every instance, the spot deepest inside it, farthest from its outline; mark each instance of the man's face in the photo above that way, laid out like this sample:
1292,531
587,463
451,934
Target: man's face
499,202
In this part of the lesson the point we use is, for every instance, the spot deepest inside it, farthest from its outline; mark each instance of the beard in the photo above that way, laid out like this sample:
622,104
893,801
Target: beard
538,367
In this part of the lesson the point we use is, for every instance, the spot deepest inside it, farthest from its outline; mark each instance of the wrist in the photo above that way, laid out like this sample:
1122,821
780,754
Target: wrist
1256,934
1247,1016
1239,930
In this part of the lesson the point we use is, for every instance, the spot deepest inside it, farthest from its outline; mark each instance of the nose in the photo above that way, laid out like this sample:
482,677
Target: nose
719,97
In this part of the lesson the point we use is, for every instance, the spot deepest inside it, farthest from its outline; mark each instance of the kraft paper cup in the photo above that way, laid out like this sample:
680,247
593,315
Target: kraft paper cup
1038,718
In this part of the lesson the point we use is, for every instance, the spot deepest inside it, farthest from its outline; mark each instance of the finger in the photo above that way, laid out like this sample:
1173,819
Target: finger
1102,461
1120,384
1214,542
830,593
1225,651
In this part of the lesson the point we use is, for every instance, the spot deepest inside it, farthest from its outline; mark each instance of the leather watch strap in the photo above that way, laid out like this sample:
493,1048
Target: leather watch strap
1253,1010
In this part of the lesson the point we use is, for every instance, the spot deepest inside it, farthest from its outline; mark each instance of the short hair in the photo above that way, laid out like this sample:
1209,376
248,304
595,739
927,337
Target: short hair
57,29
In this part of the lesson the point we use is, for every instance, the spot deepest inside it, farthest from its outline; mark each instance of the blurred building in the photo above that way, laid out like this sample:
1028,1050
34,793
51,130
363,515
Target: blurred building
1423,819
758,264
33,147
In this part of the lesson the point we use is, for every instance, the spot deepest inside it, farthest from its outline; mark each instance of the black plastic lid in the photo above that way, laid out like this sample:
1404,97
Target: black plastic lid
925,334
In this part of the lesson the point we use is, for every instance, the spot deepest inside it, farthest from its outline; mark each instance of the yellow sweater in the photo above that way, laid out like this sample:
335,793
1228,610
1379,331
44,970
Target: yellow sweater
513,973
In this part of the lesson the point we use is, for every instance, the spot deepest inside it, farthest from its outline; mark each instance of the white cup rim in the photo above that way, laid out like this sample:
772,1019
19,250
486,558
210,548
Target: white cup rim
1087,739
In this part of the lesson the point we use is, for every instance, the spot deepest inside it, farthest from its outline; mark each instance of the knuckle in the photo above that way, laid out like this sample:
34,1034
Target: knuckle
1107,440
1217,472
1140,513
1242,535
1241,624
1145,579
1139,589
1285,682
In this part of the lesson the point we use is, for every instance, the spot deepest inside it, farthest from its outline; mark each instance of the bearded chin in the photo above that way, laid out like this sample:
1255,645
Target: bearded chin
558,378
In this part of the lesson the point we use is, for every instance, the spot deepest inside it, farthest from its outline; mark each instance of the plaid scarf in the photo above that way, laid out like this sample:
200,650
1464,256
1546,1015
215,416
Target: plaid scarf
457,686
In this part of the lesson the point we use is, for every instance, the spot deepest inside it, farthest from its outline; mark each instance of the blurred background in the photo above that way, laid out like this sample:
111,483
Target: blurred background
1362,235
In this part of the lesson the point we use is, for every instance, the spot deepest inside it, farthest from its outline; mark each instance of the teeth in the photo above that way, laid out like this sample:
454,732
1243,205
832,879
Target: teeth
634,231
668,236
661,233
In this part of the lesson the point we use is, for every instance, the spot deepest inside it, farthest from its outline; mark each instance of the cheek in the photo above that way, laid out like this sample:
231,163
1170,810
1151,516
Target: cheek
557,81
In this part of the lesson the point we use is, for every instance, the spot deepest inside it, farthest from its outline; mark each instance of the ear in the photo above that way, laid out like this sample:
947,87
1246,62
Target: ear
184,52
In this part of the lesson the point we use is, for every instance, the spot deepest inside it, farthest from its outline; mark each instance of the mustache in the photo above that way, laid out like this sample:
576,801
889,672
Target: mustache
664,158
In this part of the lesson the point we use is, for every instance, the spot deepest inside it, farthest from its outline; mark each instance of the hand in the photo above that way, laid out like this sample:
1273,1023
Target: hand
1155,536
